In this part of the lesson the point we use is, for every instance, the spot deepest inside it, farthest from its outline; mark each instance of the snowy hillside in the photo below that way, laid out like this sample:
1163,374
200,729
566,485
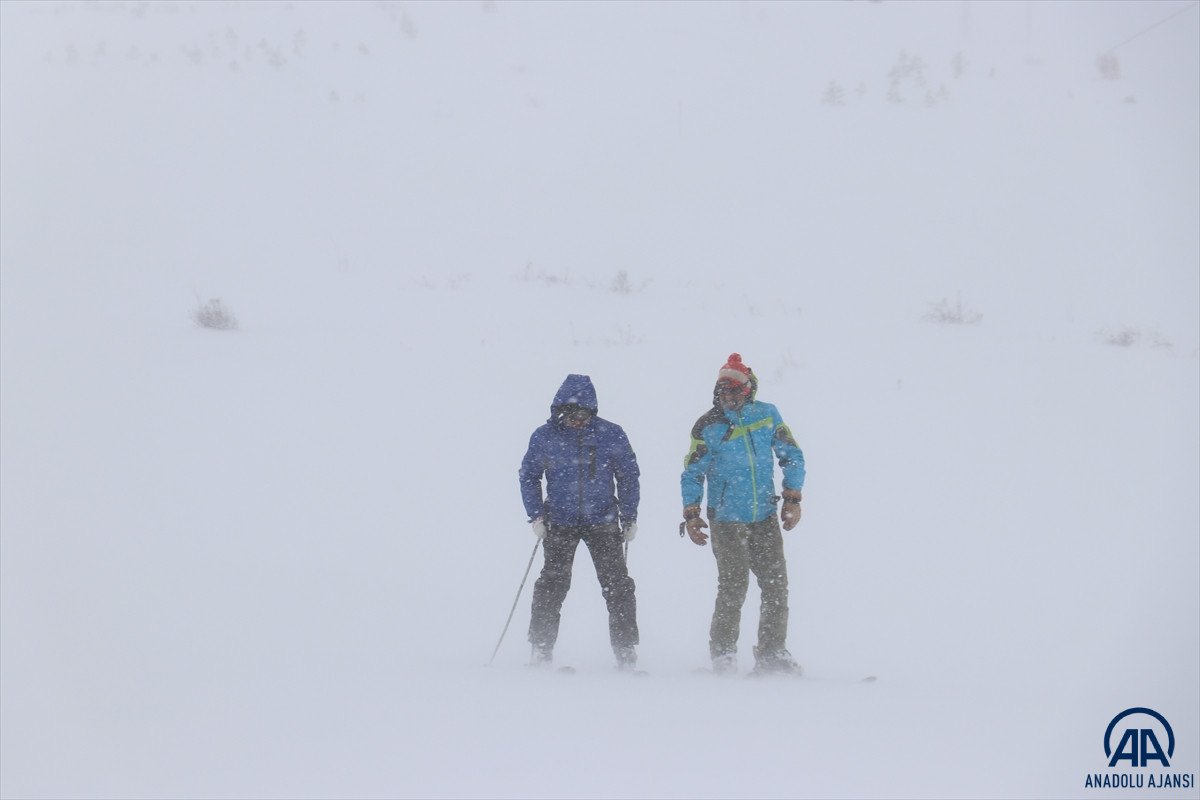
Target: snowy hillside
272,561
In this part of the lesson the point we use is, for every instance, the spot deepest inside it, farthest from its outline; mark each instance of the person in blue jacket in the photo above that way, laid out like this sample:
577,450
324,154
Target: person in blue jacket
592,494
732,451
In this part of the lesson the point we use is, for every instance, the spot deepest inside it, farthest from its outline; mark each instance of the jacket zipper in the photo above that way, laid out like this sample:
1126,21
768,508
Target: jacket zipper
579,461
750,454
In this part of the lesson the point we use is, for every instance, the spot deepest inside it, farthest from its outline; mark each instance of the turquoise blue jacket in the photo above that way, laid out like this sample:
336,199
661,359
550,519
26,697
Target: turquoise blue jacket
733,452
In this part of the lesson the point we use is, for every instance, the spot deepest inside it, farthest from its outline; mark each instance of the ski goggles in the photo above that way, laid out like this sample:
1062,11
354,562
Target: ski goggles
733,387
577,413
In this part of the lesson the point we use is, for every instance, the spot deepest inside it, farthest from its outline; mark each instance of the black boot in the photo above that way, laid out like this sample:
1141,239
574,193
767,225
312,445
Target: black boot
626,658
541,655
776,662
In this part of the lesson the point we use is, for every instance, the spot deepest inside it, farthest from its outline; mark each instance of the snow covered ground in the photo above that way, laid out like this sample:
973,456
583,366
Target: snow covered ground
273,561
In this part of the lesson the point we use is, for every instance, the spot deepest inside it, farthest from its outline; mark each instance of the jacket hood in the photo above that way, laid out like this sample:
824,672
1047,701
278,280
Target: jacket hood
575,390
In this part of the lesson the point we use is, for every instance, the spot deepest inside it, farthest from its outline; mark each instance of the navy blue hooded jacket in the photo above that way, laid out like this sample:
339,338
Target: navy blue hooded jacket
591,472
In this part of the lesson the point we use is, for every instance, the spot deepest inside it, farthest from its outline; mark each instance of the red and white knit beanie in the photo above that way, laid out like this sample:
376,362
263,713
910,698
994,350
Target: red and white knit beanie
735,372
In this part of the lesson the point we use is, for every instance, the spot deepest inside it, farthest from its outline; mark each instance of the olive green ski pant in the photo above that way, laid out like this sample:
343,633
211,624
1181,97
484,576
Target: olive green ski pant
741,548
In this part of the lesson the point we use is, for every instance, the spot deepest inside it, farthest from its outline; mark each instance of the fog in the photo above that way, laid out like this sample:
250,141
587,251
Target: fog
958,242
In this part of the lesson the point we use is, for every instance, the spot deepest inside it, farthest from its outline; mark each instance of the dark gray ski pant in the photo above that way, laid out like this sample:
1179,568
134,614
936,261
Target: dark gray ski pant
604,543
741,548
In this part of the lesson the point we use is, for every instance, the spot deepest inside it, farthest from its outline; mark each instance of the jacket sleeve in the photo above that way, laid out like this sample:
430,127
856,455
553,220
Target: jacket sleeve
791,457
628,478
532,469
695,467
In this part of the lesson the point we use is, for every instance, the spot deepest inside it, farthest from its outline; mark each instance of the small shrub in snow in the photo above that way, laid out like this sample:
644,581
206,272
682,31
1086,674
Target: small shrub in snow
1128,336
625,338
454,282
622,285
530,275
958,65
1124,337
834,95
1160,341
215,316
933,98
908,67
407,26
786,365
955,313
1109,66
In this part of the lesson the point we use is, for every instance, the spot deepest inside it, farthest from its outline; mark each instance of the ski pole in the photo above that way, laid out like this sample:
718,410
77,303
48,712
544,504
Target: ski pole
516,600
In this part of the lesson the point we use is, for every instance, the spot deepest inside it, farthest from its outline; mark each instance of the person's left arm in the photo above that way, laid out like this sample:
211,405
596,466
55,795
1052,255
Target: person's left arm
627,474
791,461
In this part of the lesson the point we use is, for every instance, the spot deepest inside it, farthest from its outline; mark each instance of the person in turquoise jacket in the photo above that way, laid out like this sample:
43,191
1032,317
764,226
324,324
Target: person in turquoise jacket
733,451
